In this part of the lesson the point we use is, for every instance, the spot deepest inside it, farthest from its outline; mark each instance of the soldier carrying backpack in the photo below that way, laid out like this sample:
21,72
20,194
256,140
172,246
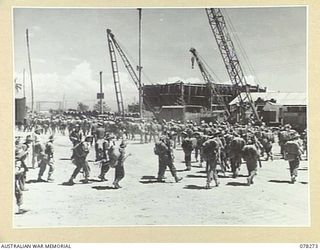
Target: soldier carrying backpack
292,153
163,148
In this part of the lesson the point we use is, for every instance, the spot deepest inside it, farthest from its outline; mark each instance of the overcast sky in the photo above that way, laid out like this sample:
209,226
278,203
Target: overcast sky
69,48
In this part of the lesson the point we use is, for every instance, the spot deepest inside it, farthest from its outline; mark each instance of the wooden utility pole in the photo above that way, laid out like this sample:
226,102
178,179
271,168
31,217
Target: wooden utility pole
24,82
30,70
101,109
139,68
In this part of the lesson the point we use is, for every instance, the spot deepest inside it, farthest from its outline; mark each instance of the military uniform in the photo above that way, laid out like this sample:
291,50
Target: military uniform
210,153
236,146
46,155
292,153
80,153
20,170
187,146
251,155
76,135
119,167
101,148
166,158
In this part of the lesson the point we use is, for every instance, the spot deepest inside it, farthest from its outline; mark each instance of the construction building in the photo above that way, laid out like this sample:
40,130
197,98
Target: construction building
189,101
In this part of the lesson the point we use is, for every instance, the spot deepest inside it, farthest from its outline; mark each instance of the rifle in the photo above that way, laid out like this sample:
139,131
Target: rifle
104,160
260,165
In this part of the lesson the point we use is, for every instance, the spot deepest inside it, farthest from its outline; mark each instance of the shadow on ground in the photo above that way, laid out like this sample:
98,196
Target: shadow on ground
148,177
22,211
194,187
237,184
150,181
280,181
195,176
36,181
104,188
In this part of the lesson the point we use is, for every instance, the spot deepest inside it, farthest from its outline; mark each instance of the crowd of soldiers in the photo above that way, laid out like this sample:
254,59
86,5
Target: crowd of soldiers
220,146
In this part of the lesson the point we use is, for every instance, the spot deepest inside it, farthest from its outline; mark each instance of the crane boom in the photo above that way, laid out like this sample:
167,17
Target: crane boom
210,82
128,66
229,56
115,73
125,60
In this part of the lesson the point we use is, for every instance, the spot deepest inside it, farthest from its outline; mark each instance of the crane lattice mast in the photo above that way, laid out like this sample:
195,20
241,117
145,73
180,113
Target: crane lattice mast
128,66
228,53
210,82
115,73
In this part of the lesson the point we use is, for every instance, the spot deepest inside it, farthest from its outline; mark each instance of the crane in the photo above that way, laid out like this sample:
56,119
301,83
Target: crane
113,42
115,73
209,81
229,56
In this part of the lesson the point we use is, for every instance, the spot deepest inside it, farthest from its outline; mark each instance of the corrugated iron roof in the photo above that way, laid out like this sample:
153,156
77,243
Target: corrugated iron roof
282,98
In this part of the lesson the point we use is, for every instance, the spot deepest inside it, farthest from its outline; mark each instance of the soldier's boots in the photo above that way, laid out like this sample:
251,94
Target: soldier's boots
188,167
116,185
40,179
293,179
85,181
70,182
177,179
50,179
216,180
250,179
159,179
235,174
102,178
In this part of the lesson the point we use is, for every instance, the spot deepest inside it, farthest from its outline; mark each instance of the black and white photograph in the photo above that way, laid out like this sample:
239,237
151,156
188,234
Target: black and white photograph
160,117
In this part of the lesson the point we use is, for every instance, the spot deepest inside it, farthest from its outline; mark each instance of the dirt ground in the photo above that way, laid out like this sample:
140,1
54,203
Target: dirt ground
270,201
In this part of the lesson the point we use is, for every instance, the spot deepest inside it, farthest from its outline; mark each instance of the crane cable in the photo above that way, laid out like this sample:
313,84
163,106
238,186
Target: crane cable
131,59
241,48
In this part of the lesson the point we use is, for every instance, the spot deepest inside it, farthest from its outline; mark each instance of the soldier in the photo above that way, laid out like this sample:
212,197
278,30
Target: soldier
267,139
153,131
80,152
47,159
218,136
76,135
283,137
210,155
163,149
102,146
100,131
94,127
251,155
174,128
199,137
292,153
26,161
180,129
236,146
36,140
23,153
187,145
119,167
304,138
19,172
142,128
